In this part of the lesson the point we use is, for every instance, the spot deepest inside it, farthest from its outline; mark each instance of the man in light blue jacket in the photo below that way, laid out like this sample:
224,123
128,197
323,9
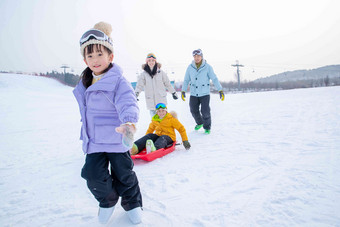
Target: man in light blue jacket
198,76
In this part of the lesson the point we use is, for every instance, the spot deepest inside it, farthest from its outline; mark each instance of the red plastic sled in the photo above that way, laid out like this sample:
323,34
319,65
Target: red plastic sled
155,154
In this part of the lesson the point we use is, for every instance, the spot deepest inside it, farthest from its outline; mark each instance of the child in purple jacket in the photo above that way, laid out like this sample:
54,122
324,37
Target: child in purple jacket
108,109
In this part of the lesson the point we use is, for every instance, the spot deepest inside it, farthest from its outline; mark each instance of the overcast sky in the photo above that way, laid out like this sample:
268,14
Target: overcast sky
266,36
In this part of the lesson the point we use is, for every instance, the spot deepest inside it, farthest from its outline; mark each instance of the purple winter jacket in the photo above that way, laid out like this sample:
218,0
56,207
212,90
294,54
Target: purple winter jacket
103,106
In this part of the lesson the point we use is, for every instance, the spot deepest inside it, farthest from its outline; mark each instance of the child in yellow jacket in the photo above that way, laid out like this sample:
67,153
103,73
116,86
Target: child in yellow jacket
161,132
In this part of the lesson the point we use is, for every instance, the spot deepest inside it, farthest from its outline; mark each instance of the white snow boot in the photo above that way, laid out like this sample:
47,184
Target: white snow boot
149,146
104,214
135,215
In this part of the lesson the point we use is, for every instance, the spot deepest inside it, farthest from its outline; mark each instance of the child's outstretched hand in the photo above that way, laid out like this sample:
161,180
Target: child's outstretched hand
127,130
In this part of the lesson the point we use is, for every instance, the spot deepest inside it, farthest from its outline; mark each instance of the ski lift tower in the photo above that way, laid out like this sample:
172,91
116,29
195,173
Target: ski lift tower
64,67
238,73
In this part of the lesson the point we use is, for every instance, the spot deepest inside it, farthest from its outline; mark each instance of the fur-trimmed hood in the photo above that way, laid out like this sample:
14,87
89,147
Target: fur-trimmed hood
174,114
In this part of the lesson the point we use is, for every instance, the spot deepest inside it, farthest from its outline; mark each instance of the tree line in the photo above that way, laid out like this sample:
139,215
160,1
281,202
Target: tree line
65,78
265,86
246,86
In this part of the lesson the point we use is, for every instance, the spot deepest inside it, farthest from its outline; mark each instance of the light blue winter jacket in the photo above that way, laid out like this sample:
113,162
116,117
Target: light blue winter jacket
199,79
104,106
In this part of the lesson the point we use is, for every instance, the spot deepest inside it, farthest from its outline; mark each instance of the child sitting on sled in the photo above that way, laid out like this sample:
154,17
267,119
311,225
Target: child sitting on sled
164,125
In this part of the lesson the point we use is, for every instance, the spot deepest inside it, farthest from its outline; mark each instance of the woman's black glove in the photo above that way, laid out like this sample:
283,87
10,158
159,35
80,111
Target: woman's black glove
174,95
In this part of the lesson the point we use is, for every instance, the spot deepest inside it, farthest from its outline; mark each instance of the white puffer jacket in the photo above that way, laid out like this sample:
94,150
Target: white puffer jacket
155,87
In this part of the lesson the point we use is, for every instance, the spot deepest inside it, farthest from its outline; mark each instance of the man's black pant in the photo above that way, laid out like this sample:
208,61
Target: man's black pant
201,116
158,141
107,187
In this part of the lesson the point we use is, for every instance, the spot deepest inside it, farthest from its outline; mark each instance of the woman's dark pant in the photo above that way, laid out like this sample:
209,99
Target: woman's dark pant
158,141
203,116
107,187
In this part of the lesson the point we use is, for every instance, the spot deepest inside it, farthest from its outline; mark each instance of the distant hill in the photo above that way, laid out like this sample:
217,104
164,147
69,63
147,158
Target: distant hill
331,71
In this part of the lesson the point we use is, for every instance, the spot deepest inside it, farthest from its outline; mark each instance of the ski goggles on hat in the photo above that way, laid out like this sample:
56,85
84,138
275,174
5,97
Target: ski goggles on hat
197,52
160,105
151,55
94,34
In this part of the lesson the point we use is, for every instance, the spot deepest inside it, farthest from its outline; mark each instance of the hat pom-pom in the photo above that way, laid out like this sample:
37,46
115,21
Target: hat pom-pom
104,27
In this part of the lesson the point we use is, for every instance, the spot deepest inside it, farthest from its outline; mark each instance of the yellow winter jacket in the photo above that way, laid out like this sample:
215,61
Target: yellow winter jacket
167,126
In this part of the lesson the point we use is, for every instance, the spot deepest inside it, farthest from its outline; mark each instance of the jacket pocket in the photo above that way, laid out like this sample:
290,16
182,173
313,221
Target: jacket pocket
192,88
105,130
105,133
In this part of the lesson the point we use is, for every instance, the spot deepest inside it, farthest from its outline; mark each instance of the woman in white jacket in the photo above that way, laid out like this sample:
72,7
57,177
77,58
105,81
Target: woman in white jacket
155,84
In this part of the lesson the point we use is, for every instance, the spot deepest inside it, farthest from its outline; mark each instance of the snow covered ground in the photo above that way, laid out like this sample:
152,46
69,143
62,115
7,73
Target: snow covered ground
272,159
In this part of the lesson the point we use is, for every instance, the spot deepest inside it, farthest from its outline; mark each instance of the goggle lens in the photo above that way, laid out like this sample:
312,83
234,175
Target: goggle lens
151,56
94,34
196,52
160,105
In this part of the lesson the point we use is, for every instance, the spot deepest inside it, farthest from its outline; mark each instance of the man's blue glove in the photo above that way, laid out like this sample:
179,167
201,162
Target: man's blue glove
183,95
221,95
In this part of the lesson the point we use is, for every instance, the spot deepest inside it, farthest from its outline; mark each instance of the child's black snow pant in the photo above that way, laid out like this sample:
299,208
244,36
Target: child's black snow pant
158,141
107,187
203,116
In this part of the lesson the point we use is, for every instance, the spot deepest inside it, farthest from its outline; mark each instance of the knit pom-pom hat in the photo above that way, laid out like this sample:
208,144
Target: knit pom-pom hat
106,28
151,55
